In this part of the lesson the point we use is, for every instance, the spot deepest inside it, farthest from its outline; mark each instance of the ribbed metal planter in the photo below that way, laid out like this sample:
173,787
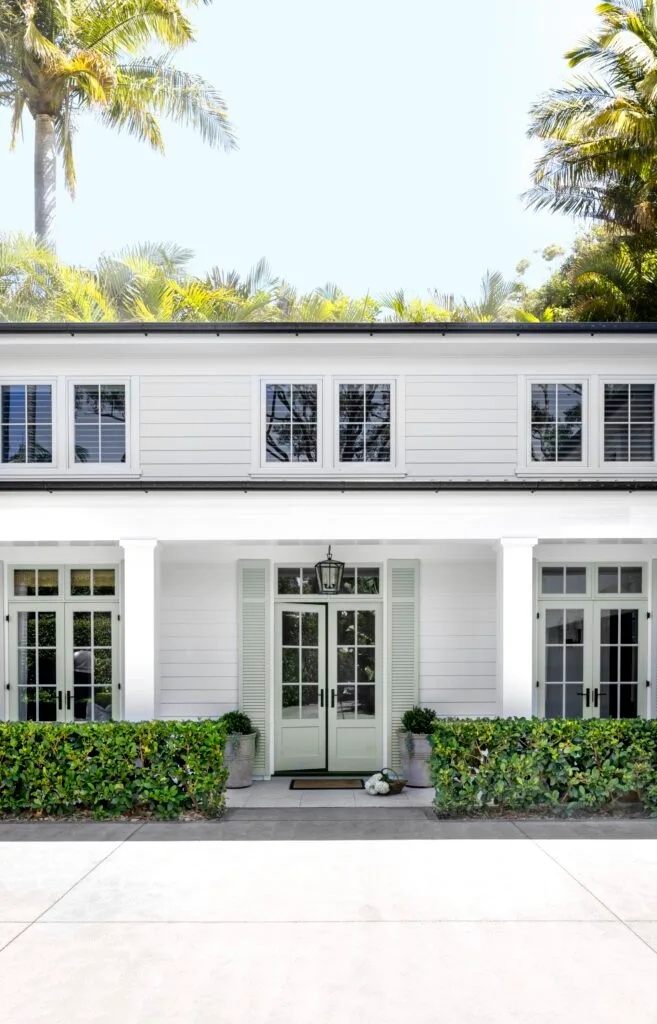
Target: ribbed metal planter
415,753
239,753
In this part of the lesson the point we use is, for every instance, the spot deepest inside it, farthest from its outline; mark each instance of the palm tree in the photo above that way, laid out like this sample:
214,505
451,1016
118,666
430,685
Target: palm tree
600,129
59,58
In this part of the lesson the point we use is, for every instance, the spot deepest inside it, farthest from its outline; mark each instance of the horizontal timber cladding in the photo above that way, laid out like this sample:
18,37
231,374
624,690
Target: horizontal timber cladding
403,643
461,426
458,630
197,639
254,652
196,427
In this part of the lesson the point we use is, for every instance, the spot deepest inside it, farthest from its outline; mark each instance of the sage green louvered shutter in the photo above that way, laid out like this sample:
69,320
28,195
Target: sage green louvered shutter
254,657
403,643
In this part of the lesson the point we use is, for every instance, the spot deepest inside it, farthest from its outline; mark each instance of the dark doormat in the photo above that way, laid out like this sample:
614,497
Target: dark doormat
326,784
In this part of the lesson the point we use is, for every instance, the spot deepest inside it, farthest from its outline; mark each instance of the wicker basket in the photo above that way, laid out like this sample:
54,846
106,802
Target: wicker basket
395,782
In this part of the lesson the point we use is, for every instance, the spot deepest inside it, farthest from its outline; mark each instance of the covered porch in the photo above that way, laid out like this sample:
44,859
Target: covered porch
472,604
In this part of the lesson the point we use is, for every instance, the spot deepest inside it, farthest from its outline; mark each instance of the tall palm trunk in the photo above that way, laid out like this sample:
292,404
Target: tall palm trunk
45,178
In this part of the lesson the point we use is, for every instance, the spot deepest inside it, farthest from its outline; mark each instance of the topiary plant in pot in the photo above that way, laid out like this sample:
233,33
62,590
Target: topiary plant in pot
417,724
239,750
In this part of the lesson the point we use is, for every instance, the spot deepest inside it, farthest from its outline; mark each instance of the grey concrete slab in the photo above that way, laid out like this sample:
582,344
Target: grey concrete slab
65,831
327,814
602,828
326,881
497,973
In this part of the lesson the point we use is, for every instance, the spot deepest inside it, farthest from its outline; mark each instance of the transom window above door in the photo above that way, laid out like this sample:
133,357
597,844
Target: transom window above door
355,580
556,422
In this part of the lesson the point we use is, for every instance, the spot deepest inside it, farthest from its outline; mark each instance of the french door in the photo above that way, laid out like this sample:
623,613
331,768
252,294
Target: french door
63,662
592,658
328,687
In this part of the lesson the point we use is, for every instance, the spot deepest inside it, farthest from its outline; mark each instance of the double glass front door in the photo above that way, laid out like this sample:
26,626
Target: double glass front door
328,687
63,662
592,658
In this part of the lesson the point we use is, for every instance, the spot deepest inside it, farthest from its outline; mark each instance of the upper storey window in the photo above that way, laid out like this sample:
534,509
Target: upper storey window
364,423
26,423
99,423
629,422
556,422
291,422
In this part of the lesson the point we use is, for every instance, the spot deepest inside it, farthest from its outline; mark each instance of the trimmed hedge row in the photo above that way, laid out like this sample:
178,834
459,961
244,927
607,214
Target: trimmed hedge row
118,768
555,767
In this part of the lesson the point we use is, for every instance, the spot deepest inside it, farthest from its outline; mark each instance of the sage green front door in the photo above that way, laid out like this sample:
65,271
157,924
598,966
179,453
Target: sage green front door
328,687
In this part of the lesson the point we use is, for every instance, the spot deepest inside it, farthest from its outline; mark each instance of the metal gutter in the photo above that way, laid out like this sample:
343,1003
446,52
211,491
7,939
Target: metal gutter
339,486
73,329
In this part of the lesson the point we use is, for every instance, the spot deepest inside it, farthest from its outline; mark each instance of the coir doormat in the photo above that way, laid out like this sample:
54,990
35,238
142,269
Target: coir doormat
326,784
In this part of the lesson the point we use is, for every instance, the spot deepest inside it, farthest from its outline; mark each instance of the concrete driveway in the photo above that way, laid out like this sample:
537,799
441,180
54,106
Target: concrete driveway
481,922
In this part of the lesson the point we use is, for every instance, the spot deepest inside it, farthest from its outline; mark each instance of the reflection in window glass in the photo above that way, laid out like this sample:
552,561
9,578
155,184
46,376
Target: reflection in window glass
556,422
99,412
26,423
291,423
629,427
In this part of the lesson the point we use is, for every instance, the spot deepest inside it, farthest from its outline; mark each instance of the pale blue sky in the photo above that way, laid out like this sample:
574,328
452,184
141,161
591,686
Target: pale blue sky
382,145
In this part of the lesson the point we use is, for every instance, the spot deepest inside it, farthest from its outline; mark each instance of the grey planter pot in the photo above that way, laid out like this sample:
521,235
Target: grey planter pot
415,752
239,753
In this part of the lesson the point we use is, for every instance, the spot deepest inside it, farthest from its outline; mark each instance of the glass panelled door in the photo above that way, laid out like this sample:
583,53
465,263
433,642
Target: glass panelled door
620,660
354,715
63,663
36,682
91,635
565,672
300,691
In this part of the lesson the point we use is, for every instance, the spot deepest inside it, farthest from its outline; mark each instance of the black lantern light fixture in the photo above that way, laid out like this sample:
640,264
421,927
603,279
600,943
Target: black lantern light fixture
329,575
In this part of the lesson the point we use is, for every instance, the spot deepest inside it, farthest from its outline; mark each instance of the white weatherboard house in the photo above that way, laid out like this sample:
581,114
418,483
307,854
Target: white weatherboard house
165,496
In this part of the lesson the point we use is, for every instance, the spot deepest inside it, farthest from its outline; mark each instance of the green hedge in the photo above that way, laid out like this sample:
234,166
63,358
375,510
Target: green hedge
557,767
106,770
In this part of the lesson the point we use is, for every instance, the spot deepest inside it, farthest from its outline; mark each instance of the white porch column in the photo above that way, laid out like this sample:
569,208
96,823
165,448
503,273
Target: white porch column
515,609
139,629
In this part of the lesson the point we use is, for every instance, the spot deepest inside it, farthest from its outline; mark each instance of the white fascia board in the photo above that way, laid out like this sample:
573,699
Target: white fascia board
312,516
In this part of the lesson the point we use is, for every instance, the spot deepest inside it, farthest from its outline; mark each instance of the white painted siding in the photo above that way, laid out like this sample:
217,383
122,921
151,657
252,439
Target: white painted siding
198,639
195,427
461,427
458,637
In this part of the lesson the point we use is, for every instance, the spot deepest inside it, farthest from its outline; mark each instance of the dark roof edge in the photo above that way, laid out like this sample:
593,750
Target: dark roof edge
328,328
436,486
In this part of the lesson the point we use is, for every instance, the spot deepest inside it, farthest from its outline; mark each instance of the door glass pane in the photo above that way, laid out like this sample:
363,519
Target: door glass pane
310,629
346,706
310,702
564,662
365,705
366,628
37,666
290,708
553,701
346,627
25,582
300,665
608,580
574,701
619,662
291,629
291,665
356,664
346,665
309,664
92,666
80,582
554,626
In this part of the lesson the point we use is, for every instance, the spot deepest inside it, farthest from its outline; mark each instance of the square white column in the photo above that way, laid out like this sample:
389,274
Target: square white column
515,637
139,629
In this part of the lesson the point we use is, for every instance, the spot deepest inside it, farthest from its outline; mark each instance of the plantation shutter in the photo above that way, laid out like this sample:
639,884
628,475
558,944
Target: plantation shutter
253,641
403,644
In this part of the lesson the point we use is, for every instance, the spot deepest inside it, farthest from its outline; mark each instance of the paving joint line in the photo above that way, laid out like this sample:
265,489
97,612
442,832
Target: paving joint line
37,919
586,889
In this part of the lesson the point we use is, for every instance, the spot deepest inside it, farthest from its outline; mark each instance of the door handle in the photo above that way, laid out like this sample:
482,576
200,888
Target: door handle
597,697
586,693
332,698
321,698
68,700
59,700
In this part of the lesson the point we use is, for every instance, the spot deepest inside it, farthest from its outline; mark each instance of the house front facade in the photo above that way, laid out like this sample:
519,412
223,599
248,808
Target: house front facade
166,495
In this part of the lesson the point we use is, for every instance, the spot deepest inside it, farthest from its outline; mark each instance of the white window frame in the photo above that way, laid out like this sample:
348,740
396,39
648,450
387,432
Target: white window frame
260,456
38,469
527,465
131,464
396,426
628,468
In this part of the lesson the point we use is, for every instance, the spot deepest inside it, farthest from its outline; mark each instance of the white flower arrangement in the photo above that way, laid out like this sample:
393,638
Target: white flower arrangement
379,783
